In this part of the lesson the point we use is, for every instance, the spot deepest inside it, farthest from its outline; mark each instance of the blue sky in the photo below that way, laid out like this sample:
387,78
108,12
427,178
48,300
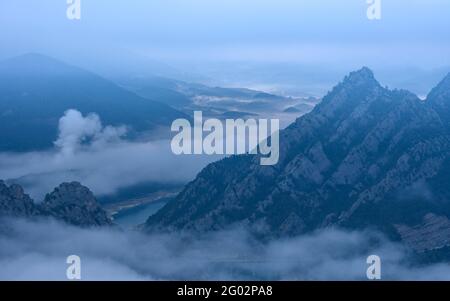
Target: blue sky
206,25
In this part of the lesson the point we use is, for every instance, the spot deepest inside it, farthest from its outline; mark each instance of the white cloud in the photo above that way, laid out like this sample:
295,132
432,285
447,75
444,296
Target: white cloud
74,130
95,155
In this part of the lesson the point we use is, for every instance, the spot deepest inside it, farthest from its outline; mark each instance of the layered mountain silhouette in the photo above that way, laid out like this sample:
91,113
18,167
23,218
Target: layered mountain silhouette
217,102
365,157
36,90
71,203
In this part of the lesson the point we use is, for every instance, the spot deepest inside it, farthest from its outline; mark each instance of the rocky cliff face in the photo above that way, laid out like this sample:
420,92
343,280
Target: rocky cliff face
14,202
69,202
366,157
76,205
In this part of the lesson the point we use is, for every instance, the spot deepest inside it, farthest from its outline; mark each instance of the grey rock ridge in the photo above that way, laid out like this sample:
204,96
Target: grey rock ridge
76,205
69,202
365,157
14,202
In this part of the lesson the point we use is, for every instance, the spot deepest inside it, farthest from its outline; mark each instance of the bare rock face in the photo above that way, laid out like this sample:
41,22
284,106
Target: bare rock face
69,202
76,205
431,234
365,157
14,202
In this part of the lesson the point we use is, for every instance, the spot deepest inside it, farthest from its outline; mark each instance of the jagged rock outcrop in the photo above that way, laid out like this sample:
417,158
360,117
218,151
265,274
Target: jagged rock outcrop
431,234
69,202
76,205
365,157
14,202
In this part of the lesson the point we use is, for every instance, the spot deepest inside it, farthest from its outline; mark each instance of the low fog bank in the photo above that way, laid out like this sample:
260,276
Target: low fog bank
99,157
102,159
38,251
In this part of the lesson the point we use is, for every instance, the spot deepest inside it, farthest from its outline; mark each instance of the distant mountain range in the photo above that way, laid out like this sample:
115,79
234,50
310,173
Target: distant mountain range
36,90
365,157
216,101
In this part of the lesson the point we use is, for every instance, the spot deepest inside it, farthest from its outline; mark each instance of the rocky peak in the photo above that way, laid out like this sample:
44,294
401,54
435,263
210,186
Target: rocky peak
361,77
69,202
75,204
70,194
14,202
365,157
358,81
358,88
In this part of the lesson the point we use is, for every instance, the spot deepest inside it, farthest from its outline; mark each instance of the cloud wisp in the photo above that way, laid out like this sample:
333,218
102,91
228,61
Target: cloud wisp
98,157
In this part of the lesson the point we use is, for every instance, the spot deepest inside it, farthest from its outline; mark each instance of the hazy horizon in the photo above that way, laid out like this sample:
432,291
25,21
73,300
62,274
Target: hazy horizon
259,44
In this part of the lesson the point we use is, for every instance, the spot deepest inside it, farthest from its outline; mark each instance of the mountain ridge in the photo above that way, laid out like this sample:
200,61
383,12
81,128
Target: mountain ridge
36,90
439,99
365,157
71,203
